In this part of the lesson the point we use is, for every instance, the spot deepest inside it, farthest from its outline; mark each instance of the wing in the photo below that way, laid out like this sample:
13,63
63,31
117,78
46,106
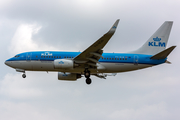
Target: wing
93,53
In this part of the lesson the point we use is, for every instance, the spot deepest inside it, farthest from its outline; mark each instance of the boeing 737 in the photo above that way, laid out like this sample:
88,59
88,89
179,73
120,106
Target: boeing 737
92,61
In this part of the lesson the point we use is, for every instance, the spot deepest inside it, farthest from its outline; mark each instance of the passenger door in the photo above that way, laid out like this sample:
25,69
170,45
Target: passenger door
135,60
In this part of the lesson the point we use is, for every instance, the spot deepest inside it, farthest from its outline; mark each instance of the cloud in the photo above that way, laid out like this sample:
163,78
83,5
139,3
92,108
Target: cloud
25,111
14,87
22,40
73,25
148,112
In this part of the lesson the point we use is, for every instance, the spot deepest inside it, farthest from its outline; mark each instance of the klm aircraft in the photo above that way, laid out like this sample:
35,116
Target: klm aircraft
93,61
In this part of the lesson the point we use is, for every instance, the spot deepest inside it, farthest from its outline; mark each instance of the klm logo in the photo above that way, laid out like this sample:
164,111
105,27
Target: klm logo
61,62
114,27
46,54
157,43
65,75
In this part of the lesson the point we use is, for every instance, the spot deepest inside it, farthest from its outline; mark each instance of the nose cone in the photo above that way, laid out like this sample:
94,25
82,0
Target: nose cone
6,62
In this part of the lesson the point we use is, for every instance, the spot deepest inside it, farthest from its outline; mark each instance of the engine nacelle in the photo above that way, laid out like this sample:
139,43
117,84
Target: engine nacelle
68,76
63,64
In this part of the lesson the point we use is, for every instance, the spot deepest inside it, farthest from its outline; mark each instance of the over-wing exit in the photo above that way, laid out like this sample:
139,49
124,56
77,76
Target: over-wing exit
93,61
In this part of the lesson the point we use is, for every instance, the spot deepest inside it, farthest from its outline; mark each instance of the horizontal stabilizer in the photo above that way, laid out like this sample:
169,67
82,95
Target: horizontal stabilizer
168,62
163,54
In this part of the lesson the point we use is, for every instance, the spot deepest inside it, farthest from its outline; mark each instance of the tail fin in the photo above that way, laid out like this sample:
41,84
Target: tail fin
158,41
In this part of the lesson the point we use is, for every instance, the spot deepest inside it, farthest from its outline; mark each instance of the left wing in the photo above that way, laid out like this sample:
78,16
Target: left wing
93,53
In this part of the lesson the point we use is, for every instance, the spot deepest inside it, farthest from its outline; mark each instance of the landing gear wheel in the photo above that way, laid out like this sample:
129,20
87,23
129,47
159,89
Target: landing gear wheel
24,75
88,81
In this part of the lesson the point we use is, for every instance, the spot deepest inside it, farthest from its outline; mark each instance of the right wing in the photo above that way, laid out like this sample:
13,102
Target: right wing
93,53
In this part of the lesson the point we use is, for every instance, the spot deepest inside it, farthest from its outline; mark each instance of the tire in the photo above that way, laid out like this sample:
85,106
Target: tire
88,81
24,75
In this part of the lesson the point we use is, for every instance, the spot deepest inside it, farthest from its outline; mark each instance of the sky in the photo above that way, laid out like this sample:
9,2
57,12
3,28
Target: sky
73,25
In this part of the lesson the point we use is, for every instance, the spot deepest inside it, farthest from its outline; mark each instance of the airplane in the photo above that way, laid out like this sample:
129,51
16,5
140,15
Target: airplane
93,61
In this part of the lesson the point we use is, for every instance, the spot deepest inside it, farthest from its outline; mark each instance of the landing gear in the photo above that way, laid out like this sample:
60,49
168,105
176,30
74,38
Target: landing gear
88,81
24,75
87,75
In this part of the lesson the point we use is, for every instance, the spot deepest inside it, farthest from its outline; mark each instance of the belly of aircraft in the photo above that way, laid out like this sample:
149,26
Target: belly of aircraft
49,66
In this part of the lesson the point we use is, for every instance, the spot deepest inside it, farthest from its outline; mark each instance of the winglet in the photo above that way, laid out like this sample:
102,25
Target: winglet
113,28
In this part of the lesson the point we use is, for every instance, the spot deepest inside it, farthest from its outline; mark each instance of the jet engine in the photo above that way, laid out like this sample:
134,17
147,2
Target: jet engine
63,64
68,76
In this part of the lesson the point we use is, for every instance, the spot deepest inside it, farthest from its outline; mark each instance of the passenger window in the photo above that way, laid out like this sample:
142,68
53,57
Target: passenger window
120,58
41,56
64,57
104,58
117,58
107,58
59,56
123,58
44,56
54,56
51,56
112,58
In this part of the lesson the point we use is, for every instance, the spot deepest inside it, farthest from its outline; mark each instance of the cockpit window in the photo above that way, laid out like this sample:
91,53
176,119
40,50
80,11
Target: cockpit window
16,56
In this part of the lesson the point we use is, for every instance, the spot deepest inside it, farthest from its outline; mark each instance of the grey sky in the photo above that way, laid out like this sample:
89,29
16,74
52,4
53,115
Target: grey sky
73,25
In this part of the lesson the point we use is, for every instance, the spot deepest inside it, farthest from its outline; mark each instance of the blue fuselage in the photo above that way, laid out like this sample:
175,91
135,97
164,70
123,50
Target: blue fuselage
112,62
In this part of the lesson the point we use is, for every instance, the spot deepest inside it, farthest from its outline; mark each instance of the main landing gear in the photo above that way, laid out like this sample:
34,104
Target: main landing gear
87,75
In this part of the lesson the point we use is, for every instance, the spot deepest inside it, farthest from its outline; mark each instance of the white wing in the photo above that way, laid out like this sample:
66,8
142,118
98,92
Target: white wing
92,54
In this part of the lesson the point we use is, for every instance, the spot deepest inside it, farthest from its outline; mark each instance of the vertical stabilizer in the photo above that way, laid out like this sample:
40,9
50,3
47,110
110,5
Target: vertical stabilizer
158,41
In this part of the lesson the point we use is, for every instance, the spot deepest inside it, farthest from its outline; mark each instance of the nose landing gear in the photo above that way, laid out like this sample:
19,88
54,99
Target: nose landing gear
88,81
87,75
24,75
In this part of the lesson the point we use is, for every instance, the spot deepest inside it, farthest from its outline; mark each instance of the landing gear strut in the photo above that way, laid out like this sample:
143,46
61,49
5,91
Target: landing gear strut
24,75
87,75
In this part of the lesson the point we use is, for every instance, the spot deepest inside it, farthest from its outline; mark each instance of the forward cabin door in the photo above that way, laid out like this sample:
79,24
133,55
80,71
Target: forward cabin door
28,64
28,57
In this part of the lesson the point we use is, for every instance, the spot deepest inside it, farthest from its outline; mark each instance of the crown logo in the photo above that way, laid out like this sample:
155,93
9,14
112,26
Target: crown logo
157,39
114,27
61,62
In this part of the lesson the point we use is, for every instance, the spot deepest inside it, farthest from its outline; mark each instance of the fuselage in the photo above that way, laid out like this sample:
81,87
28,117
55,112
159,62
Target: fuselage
110,63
